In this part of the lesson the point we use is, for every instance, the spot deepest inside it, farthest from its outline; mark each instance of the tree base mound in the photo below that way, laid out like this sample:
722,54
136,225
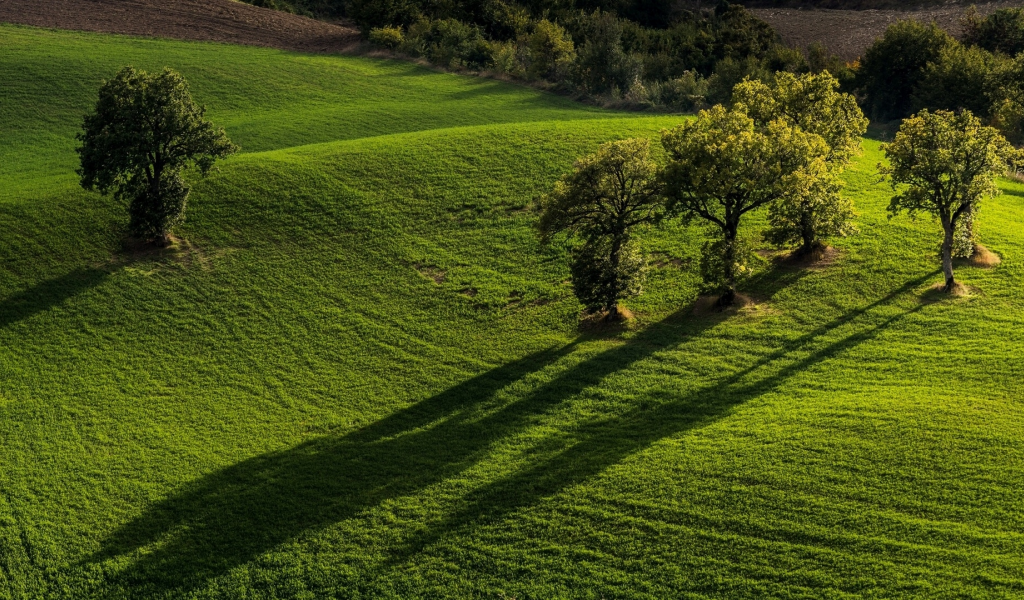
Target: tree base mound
938,291
711,305
607,321
819,257
151,245
983,258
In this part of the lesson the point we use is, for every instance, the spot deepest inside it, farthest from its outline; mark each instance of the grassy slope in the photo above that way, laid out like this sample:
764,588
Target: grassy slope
297,405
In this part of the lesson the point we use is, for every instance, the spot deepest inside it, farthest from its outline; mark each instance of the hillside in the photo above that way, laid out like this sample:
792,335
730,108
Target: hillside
361,376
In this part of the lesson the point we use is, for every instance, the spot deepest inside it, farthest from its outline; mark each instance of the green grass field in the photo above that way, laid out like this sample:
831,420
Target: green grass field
361,375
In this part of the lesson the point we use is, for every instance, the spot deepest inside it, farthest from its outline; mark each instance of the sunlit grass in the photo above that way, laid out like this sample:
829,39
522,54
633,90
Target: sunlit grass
360,375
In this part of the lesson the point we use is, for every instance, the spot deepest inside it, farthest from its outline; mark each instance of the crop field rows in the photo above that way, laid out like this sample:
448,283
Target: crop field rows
360,375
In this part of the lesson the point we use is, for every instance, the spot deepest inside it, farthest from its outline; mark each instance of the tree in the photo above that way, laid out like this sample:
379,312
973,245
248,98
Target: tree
551,50
958,78
145,131
602,67
722,166
943,164
813,104
1006,87
600,203
1002,31
894,65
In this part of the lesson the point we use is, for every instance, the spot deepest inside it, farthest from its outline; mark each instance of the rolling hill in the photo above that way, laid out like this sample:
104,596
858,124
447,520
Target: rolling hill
361,375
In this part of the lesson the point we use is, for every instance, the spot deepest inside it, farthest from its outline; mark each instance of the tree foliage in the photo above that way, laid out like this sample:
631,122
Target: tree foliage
958,78
894,65
145,131
551,50
1002,31
601,277
723,166
812,103
599,204
944,164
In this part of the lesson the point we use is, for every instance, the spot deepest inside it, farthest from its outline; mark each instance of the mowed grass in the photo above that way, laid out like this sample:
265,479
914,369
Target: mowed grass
361,375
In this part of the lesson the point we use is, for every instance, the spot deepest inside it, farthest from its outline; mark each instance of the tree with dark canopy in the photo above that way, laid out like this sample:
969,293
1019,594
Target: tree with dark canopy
600,203
146,130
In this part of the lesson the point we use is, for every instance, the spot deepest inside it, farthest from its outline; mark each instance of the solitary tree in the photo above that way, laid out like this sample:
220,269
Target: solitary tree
814,104
722,166
599,204
145,131
943,164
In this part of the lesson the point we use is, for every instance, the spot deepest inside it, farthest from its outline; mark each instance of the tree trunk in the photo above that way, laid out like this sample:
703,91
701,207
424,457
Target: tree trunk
807,238
729,268
947,253
612,301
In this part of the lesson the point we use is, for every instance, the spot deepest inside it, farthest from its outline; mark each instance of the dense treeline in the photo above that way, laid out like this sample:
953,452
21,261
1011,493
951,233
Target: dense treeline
916,66
682,55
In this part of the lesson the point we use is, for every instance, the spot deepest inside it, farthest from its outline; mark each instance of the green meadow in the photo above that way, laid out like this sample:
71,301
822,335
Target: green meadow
361,374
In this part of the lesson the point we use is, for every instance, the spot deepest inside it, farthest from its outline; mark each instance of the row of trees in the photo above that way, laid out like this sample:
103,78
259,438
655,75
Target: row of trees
782,147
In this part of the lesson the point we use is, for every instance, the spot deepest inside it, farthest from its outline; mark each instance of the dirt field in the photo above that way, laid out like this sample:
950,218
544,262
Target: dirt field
849,32
211,20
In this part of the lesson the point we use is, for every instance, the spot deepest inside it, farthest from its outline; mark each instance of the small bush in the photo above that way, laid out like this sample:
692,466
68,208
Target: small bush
387,37
713,262
598,282
510,58
449,43
687,93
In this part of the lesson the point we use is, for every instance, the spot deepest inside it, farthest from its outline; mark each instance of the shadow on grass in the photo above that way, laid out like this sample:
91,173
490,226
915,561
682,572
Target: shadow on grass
48,294
231,516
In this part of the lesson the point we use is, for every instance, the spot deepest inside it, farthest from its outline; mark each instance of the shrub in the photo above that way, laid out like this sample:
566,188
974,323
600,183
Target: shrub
551,51
449,43
510,58
599,282
894,65
725,263
387,37
686,93
601,66
1002,31
957,79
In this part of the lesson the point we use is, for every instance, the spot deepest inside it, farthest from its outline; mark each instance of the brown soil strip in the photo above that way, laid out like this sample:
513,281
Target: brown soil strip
848,33
203,20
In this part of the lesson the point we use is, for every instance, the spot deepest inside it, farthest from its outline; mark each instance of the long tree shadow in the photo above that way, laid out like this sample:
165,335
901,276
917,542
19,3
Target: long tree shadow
606,442
233,515
48,294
